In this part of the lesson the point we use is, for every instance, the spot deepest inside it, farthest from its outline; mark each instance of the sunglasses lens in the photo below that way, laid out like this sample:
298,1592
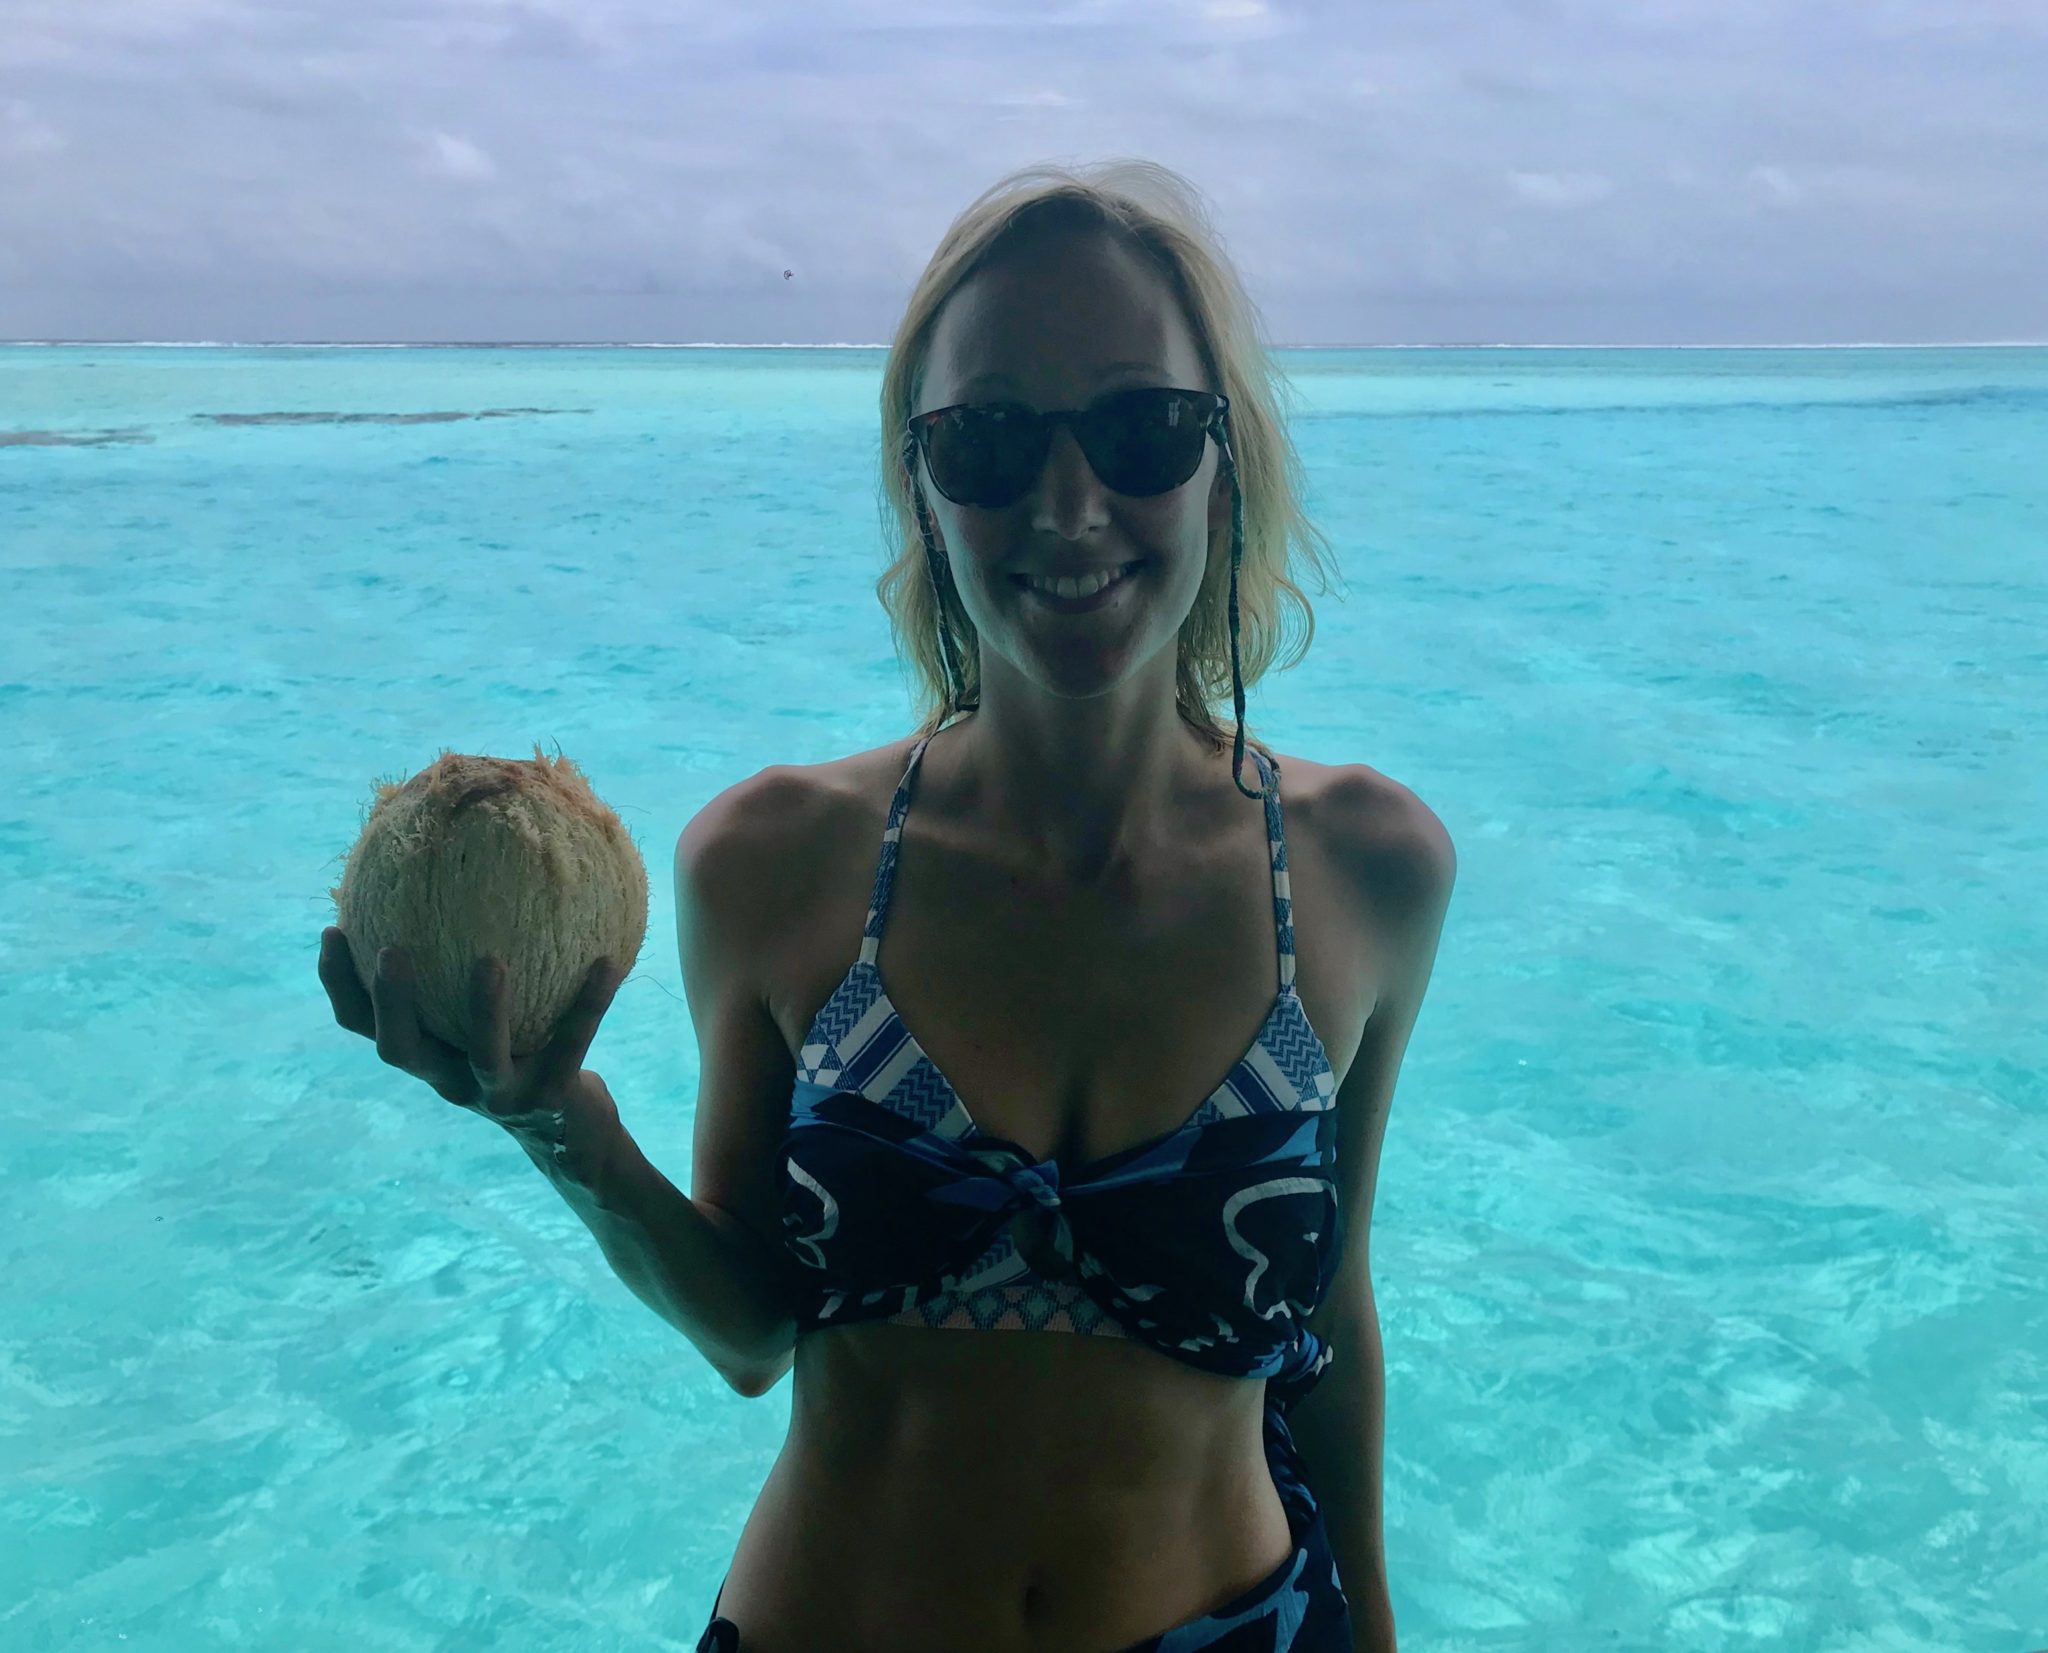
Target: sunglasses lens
981,456
1141,443
1145,442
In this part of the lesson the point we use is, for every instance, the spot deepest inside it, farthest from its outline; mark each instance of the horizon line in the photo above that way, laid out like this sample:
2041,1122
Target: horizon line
656,344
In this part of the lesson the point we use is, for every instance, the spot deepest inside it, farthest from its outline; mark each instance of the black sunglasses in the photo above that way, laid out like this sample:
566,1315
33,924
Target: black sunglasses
1140,442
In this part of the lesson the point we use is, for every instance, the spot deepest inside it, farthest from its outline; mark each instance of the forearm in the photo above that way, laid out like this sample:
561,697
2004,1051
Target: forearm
717,1283
1340,1428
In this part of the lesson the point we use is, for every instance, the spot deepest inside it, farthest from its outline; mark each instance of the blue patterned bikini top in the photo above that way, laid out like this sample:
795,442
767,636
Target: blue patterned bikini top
1212,1243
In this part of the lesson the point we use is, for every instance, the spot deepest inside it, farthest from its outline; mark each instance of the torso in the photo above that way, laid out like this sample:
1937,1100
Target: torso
943,1489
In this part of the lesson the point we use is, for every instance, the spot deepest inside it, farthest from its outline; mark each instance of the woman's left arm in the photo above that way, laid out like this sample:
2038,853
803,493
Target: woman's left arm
1400,865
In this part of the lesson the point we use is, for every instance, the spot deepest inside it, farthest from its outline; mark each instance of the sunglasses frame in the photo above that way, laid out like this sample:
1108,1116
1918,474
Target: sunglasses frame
1214,423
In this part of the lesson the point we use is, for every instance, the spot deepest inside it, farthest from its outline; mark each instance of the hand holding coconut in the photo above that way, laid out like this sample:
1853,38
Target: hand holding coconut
489,911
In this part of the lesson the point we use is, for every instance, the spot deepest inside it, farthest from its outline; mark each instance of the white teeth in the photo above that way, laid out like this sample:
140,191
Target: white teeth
1069,586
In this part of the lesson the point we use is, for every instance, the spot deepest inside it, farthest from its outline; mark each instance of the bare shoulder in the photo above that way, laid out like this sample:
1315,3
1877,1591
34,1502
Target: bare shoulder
1373,829
787,802
752,823
765,843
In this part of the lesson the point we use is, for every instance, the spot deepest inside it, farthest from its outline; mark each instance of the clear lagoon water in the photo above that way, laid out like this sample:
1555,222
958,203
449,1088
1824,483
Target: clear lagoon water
1709,1247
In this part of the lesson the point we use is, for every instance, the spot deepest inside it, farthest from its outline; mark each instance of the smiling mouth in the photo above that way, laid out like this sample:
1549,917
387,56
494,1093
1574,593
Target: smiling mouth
1081,595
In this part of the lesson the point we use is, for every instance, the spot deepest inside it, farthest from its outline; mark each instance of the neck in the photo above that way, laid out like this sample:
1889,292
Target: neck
1079,791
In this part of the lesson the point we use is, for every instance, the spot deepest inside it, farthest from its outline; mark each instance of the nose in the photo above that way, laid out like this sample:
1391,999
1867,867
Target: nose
1068,497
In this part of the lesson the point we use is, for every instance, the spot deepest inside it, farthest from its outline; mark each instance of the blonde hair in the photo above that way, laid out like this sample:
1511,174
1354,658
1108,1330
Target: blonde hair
1158,214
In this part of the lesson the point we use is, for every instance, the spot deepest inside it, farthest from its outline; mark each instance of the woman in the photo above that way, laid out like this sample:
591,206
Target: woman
1086,925
1124,1119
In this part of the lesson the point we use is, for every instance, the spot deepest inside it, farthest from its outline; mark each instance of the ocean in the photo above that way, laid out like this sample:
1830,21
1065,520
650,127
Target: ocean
1709,1246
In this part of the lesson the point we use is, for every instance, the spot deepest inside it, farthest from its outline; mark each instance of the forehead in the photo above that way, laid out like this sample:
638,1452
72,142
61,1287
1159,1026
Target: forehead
1055,322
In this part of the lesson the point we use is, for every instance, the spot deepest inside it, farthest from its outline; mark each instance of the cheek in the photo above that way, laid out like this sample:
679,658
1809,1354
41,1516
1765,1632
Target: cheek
1202,543
978,545
1179,524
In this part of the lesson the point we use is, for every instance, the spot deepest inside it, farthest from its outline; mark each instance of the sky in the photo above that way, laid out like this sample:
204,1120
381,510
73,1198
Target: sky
1593,172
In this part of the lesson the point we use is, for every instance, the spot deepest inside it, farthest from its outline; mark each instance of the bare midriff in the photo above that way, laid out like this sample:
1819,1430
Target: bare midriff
1009,1491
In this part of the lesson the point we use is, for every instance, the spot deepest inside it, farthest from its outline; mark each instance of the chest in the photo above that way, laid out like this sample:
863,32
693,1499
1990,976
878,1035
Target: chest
1077,1023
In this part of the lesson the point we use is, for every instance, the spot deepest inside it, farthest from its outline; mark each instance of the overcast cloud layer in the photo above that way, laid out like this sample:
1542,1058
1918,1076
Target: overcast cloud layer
1408,171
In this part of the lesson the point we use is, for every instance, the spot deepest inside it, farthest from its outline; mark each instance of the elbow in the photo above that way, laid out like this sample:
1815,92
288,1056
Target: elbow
754,1382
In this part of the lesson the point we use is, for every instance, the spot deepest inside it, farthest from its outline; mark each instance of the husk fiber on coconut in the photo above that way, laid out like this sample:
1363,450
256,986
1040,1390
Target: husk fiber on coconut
478,855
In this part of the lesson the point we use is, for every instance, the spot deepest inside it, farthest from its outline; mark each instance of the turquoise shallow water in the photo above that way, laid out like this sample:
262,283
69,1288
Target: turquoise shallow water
1709,1243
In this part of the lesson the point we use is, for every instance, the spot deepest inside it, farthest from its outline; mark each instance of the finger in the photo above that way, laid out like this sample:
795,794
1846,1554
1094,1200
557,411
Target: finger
398,1023
562,1059
352,1006
491,1061
403,1043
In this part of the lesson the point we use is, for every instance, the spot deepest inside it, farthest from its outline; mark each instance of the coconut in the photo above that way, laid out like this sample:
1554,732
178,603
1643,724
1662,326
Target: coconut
498,856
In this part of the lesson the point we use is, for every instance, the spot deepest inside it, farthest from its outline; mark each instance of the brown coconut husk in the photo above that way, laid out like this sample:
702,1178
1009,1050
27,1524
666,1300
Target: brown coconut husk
503,856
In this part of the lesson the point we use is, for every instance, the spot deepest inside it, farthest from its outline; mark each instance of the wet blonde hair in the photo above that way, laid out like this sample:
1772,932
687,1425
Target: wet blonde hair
1159,215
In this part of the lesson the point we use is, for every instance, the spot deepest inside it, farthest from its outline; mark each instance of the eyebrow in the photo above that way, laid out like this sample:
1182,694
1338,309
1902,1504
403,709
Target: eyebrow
994,378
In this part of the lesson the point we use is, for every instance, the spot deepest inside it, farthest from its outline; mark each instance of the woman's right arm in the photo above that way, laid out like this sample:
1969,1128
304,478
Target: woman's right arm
711,1264
697,1268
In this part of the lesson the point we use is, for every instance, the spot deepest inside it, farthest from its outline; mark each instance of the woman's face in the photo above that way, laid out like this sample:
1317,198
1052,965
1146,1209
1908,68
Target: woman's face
1059,323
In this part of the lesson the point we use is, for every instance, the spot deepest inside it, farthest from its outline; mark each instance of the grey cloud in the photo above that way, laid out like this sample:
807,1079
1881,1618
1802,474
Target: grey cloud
1501,168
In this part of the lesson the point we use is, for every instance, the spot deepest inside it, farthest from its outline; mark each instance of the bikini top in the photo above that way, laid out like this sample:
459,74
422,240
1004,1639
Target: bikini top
1212,1243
